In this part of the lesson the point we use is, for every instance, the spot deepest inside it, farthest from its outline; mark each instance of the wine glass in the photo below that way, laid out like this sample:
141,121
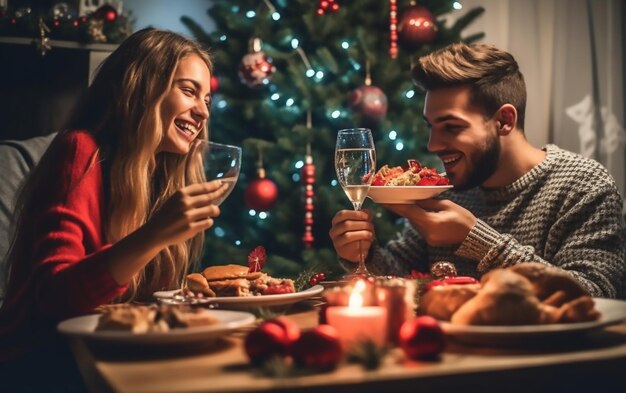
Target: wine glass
355,163
219,162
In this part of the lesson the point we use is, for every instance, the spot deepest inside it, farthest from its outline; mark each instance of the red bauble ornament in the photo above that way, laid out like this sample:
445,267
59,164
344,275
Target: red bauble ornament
318,348
274,337
256,67
370,102
417,27
422,338
215,83
262,193
107,13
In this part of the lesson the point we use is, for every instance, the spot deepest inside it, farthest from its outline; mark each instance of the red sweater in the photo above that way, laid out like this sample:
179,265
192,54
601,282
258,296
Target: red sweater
61,270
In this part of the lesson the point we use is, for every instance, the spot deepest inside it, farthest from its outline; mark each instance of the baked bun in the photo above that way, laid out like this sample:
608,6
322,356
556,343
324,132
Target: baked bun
552,286
229,272
197,283
506,298
441,301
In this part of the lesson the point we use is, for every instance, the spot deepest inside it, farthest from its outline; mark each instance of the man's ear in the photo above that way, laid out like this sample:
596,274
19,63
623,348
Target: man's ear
506,119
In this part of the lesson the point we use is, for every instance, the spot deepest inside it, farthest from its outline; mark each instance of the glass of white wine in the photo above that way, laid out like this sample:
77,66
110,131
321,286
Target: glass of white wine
219,162
355,163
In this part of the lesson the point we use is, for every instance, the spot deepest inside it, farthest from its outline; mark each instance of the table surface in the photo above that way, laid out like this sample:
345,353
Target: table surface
593,360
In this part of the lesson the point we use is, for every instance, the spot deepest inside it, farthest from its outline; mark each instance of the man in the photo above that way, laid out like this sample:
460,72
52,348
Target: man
511,202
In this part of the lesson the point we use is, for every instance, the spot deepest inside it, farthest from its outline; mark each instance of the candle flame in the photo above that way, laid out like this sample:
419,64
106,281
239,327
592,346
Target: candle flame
356,297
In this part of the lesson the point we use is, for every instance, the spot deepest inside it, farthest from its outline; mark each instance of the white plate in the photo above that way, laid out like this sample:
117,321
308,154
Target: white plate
612,312
404,194
253,301
85,327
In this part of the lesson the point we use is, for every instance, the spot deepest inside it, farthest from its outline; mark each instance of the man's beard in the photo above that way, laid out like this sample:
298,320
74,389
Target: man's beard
484,162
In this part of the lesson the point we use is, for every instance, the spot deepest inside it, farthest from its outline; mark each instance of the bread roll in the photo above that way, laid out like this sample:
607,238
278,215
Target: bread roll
197,283
229,272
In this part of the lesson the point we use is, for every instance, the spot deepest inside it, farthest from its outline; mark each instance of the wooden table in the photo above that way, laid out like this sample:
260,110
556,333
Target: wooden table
592,362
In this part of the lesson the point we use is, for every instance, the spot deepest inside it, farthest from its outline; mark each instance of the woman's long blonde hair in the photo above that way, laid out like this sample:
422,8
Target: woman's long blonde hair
122,109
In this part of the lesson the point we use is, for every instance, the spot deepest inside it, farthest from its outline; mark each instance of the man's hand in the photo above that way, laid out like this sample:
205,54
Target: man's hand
348,228
440,222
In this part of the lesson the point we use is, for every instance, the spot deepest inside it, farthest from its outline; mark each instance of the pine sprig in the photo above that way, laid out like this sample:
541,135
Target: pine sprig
367,353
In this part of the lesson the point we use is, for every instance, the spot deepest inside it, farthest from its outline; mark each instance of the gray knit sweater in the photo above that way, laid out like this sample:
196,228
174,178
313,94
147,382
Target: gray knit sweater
567,211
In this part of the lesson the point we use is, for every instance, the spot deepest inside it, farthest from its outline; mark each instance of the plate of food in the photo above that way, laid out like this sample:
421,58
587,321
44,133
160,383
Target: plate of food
611,312
398,185
142,324
236,286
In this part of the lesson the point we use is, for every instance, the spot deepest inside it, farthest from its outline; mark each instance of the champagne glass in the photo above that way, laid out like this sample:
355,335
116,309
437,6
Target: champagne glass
219,162
355,163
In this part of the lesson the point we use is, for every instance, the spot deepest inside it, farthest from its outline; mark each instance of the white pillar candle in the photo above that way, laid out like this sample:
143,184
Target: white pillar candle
355,324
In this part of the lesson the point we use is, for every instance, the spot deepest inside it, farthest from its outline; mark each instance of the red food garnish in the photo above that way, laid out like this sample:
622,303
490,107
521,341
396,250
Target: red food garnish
278,289
256,259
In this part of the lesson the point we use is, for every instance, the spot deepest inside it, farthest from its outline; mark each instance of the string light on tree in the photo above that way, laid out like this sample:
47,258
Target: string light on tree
308,178
393,29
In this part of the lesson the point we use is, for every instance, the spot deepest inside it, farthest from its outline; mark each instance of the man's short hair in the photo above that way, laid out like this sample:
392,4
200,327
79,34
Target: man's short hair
492,74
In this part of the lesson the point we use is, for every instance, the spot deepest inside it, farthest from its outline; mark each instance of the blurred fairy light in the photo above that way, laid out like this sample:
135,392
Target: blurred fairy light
252,212
345,45
393,135
263,215
299,164
250,14
223,37
221,104
289,102
295,177
238,242
319,75
410,93
335,114
457,5
275,16
399,146
275,96
235,9
219,232
295,43
310,72
334,182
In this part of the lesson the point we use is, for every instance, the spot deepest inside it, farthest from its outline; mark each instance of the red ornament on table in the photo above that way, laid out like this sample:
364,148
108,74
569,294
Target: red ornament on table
274,337
326,6
422,338
318,348
256,67
417,27
262,193
308,177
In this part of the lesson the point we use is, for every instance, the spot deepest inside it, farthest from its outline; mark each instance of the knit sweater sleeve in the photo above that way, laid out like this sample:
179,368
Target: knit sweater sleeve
589,237
70,275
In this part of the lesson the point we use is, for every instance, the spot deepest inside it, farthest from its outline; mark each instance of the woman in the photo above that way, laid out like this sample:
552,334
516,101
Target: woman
113,211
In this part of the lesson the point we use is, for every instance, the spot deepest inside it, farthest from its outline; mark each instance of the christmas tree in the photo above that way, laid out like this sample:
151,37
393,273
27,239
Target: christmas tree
289,75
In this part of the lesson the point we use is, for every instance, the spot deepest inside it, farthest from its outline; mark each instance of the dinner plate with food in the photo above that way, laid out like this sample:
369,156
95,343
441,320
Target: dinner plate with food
155,324
237,286
398,185
525,303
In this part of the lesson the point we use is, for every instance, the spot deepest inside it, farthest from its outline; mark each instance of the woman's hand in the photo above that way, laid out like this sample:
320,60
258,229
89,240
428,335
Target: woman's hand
348,228
187,212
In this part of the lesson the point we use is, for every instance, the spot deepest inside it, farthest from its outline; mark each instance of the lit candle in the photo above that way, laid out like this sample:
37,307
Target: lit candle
357,323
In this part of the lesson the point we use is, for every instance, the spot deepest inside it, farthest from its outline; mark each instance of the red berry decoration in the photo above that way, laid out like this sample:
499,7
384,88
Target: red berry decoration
422,338
318,348
107,13
273,337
